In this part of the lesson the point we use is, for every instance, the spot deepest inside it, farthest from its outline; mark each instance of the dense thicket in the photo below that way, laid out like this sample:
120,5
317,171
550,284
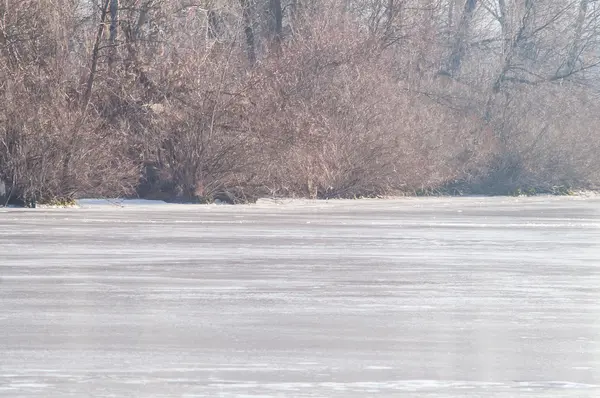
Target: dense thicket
197,99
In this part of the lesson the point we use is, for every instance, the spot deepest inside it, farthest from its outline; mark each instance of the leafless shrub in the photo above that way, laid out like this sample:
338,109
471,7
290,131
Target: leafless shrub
546,143
48,153
49,148
195,100
340,124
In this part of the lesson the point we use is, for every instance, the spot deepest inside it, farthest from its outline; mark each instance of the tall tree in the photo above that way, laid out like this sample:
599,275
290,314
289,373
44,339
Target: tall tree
459,42
575,48
247,12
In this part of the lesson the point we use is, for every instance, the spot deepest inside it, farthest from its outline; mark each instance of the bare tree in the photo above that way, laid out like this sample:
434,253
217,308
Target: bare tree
95,56
459,41
247,12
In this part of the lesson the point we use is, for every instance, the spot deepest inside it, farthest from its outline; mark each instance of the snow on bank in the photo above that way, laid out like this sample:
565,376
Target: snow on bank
97,203
119,202
87,203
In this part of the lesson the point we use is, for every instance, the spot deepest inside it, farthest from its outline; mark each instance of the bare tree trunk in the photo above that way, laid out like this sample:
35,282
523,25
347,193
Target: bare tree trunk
142,19
276,23
573,55
113,30
114,19
276,16
213,24
513,42
95,56
249,30
391,12
459,44
504,25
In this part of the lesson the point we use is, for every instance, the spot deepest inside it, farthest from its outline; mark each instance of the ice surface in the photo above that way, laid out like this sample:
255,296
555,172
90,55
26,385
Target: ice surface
482,297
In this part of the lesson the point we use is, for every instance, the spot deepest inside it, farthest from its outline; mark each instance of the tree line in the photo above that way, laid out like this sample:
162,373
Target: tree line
195,99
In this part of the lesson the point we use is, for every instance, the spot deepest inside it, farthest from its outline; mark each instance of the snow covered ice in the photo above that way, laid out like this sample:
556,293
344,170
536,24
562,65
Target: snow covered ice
452,297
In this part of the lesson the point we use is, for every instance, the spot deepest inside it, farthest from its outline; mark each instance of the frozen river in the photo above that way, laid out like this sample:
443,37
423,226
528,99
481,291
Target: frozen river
459,297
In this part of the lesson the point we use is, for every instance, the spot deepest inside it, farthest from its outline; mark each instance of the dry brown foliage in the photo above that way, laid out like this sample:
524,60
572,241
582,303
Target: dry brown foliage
233,100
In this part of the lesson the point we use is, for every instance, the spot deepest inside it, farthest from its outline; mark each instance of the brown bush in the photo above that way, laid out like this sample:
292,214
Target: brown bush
543,145
48,152
234,100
